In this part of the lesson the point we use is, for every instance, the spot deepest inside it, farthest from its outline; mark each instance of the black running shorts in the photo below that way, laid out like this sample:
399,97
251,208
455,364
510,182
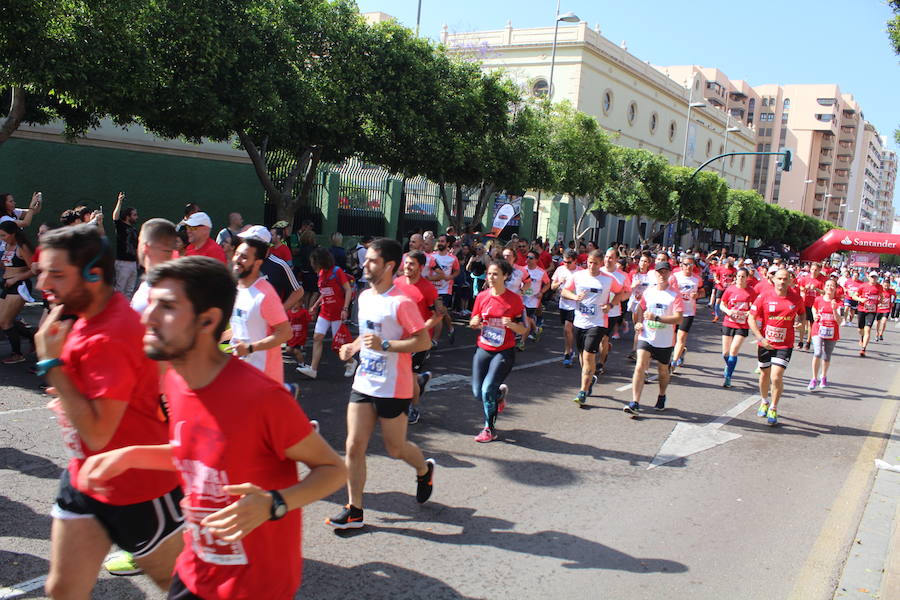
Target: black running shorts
660,355
418,360
733,331
136,528
686,323
809,315
566,315
179,591
865,319
613,321
776,356
588,340
385,408
880,316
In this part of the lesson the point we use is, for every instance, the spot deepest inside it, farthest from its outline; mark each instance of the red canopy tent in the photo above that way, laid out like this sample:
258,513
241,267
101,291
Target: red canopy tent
841,239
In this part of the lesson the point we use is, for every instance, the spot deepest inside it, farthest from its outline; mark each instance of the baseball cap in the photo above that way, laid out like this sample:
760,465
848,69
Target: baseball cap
748,262
257,232
197,219
873,273
662,265
774,269
280,225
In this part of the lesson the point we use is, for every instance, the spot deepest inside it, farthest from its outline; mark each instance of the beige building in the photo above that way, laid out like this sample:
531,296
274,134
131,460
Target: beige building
860,210
887,175
640,106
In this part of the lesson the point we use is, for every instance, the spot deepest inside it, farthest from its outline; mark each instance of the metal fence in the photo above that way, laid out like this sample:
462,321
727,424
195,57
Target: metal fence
422,200
361,198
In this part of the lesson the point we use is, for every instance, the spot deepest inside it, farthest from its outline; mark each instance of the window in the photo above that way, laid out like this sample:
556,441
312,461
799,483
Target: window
672,129
653,120
751,110
607,101
632,113
742,162
825,117
708,147
540,88
826,101
721,149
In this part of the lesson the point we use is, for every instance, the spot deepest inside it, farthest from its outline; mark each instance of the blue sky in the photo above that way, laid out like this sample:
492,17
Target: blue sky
793,41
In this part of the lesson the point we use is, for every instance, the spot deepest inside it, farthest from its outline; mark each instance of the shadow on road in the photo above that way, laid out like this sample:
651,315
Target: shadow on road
28,464
371,580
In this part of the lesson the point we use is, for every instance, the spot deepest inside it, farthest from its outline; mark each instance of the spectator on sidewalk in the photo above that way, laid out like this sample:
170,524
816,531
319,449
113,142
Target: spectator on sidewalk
126,247
198,226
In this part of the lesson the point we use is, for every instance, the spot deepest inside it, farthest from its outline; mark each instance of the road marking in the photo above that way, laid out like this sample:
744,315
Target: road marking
452,380
821,572
21,410
627,386
687,439
20,589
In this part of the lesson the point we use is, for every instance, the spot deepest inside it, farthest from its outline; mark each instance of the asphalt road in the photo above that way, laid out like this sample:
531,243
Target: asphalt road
564,505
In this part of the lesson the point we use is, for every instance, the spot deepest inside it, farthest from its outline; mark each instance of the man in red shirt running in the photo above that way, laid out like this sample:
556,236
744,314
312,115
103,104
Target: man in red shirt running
237,458
772,318
867,295
198,227
107,397
811,287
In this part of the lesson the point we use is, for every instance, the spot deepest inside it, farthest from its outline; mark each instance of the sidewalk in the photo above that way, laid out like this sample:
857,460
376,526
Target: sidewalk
872,569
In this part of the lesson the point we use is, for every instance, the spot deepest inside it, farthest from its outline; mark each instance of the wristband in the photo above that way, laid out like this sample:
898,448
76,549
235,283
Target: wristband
249,348
43,366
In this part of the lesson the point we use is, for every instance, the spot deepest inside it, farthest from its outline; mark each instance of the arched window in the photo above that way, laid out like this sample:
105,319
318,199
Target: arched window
632,113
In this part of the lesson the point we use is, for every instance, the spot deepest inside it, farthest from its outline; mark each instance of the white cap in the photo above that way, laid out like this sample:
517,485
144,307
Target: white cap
873,274
257,232
774,269
748,262
197,219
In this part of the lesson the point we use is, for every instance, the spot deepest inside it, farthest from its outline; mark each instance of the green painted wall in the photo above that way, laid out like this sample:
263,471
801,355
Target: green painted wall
158,185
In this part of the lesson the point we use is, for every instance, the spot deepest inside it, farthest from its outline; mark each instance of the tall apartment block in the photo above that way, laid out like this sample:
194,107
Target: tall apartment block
887,177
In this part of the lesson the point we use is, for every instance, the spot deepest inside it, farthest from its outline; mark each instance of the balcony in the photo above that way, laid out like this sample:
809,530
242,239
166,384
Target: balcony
844,158
846,144
715,101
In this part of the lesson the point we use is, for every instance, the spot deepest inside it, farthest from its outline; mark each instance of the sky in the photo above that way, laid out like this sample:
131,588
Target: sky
793,41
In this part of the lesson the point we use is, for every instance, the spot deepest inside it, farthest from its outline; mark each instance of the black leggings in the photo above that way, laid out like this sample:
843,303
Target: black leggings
895,310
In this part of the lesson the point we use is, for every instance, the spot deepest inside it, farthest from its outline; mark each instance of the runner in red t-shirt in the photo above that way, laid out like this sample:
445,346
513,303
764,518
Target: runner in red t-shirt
773,316
810,287
497,315
867,295
237,458
735,305
198,227
882,313
825,333
107,397
723,277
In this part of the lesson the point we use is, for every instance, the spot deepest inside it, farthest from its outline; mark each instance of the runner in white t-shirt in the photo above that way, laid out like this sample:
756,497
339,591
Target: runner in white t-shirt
533,293
444,268
657,315
611,268
639,282
689,284
561,277
516,283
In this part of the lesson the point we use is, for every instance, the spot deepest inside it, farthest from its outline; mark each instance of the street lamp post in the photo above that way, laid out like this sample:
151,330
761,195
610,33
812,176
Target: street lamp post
569,17
418,17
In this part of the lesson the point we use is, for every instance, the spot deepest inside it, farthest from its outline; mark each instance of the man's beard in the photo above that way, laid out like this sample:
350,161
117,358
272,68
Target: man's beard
244,274
76,301
169,354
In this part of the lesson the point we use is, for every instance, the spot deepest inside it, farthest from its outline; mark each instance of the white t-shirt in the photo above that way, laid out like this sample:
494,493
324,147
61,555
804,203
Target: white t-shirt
531,292
446,263
598,290
517,280
687,285
619,276
141,298
639,284
257,310
391,316
19,212
562,274
662,303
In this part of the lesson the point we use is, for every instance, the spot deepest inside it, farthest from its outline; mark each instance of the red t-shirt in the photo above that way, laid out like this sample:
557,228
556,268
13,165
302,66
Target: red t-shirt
725,277
282,251
210,249
775,315
763,286
811,288
494,335
427,292
299,326
521,258
826,324
104,357
331,287
851,286
869,293
740,299
582,260
545,260
886,300
236,430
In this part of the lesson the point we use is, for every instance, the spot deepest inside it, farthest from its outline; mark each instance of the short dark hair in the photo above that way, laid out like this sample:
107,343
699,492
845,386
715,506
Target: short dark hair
389,250
321,259
84,244
160,231
207,284
68,217
259,247
190,208
129,210
82,211
571,254
417,255
595,254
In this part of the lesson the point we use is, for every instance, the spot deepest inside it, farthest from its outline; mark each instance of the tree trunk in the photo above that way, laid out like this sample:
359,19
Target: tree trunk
442,188
485,195
459,219
11,122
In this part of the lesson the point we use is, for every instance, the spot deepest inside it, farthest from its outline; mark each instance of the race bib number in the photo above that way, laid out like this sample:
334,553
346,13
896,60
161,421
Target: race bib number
739,317
776,334
493,336
826,332
587,309
208,547
686,292
239,329
372,364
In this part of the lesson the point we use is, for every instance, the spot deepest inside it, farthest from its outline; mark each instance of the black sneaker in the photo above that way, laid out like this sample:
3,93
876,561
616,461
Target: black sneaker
633,408
451,335
632,356
660,403
423,379
412,415
590,389
349,518
425,483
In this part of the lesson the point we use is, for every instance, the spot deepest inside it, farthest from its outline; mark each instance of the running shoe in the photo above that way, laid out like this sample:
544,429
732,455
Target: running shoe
412,415
485,436
807,346
727,382
451,335
632,356
423,379
350,368
660,403
425,483
862,354
580,398
294,389
520,345
590,389
601,369
315,425
799,345
501,400
763,409
823,383
349,518
616,336
756,371
633,408
122,564
567,360
772,417
812,384
537,333
308,371
13,359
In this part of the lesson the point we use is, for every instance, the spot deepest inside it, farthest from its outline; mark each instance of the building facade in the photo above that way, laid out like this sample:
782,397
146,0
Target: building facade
887,177
638,105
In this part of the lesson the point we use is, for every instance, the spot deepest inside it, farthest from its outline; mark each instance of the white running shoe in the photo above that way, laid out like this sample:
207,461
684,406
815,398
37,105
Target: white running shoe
308,371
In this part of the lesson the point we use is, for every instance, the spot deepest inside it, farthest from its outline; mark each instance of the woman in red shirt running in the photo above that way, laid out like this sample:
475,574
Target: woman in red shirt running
735,306
498,315
825,334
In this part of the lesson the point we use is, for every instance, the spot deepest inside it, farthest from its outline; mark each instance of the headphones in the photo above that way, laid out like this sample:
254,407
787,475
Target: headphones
86,272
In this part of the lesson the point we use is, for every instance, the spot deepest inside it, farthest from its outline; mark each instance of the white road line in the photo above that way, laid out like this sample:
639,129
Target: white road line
627,386
21,410
20,589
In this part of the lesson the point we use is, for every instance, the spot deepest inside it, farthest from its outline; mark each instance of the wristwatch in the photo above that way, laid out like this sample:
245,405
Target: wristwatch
279,507
385,345
249,348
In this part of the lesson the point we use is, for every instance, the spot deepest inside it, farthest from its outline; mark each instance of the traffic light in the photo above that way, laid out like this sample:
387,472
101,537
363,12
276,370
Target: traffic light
786,163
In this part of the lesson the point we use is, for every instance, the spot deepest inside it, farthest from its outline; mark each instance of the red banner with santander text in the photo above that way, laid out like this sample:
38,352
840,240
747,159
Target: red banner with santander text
838,240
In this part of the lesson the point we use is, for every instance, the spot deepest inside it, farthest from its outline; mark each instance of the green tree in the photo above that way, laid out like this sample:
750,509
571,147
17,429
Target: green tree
640,183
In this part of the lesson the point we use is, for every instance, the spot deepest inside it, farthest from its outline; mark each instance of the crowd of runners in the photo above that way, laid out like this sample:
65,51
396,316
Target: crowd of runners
151,344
